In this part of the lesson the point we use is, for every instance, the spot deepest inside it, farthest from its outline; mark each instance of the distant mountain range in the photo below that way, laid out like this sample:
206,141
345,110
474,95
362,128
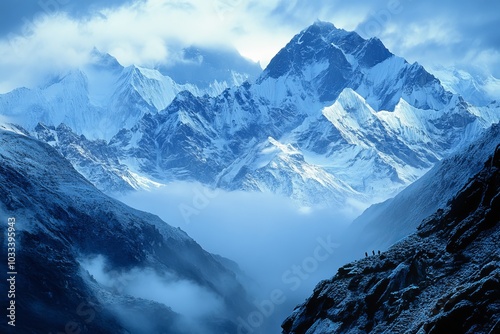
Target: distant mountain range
334,120
104,97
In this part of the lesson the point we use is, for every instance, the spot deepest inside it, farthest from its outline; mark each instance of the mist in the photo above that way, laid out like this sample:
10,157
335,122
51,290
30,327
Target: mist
180,295
282,248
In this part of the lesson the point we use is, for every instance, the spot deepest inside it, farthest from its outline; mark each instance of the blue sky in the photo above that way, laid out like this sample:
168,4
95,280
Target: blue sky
60,33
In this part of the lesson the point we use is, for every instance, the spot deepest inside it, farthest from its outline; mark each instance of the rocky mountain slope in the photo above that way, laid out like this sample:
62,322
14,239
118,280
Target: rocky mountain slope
444,278
94,159
89,261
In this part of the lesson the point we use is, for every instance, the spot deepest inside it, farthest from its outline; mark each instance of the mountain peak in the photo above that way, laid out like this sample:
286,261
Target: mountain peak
321,27
322,42
325,31
314,45
102,59
320,23
326,60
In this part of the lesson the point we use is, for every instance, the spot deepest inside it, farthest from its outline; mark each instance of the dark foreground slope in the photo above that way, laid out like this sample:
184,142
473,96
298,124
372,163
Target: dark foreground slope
62,222
445,278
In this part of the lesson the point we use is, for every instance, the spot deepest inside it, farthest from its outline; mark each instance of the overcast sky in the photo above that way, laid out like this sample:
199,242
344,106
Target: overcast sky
43,36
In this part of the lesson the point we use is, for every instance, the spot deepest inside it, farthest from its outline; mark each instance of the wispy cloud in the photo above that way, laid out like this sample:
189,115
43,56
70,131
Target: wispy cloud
143,33
192,301
438,33
59,33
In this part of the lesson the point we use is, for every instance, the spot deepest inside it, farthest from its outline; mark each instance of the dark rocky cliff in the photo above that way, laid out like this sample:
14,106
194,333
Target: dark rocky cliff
445,278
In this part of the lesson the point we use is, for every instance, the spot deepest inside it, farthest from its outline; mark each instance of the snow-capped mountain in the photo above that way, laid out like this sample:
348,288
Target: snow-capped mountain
101,98
91,261
442,279
333,120
475,86
324,60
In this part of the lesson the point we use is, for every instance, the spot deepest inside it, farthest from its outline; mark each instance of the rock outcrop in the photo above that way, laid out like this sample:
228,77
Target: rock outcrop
445,278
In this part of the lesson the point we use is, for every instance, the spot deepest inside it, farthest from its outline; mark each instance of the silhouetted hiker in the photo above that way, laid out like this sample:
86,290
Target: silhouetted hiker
379,252
373,252
366,254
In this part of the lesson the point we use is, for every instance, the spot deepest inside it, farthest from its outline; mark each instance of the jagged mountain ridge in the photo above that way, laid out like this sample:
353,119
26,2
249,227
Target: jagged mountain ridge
94,159
102,97
383,224
319,107
62,219
333,119
444,278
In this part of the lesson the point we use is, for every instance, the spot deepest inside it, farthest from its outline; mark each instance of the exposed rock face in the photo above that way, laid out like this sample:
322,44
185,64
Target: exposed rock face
443,279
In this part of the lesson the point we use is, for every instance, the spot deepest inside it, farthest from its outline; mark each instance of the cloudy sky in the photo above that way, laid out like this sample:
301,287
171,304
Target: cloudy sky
38,37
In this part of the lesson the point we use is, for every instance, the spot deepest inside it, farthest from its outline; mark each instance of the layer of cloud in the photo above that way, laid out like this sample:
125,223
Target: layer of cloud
229,223
279,245
438,33
182,296
59,33
145,33
18,13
